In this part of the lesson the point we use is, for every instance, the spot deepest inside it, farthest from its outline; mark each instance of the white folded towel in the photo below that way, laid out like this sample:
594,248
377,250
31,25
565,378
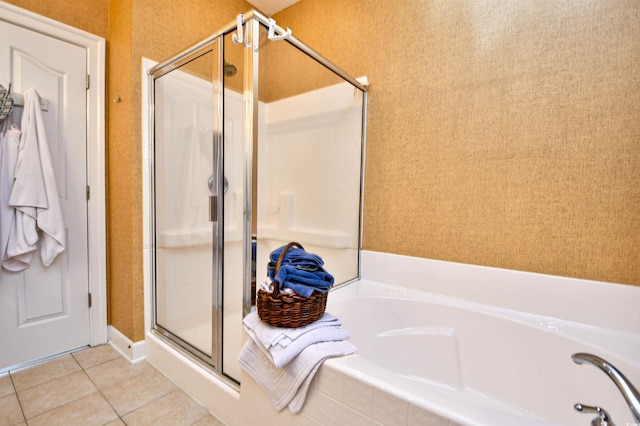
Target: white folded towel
281,354
270,336
288,386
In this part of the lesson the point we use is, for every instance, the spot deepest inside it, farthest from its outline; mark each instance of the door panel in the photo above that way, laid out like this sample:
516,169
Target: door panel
44,310
184,181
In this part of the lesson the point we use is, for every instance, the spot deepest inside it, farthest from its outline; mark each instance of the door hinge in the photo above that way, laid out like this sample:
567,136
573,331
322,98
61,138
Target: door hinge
88,192
88,81
89,299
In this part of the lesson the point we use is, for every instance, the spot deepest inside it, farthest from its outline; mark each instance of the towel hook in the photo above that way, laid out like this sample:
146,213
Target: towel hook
6,102
239,37
272,31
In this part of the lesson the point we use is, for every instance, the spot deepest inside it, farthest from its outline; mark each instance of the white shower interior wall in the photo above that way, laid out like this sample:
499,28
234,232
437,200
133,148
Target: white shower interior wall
309,134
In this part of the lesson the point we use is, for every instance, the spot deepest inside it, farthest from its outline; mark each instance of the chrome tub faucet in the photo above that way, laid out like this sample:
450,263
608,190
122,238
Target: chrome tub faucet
629,392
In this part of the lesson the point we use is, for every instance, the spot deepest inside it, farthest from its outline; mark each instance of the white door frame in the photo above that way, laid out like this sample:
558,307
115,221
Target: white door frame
95,47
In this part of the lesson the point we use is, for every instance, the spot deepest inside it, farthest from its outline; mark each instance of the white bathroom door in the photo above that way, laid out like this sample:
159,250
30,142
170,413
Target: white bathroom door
45,310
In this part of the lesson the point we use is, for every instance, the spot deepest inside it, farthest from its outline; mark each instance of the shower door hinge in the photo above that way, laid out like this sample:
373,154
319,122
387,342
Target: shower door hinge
89,299
88,81
88,192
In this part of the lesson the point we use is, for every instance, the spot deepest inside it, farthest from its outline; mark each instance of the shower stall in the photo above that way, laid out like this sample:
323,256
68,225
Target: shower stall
257,140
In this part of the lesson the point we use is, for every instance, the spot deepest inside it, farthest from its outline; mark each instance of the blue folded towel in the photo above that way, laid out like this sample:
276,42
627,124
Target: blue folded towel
304,282
297,256
300,271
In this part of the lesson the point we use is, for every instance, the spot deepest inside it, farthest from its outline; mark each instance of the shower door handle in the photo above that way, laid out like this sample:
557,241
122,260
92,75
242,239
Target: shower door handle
213,208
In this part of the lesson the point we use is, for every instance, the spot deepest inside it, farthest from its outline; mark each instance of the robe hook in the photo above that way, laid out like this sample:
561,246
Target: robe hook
272,31
239,36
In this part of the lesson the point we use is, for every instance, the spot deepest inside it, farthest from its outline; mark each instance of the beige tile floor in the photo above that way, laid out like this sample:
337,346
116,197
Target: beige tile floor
95,386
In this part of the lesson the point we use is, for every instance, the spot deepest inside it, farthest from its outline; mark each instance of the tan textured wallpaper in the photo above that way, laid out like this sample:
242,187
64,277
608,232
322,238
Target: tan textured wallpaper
286,71
122,247
500,133
88,15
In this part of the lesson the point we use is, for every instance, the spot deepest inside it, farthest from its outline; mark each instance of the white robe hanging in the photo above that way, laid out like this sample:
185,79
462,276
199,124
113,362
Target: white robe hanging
34,195
9,141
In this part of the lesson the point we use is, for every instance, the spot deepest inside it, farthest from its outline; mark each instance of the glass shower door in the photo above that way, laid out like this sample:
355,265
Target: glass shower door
186,185
200,202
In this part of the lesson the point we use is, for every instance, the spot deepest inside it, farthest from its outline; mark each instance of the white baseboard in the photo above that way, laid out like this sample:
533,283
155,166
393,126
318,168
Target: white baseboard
134,352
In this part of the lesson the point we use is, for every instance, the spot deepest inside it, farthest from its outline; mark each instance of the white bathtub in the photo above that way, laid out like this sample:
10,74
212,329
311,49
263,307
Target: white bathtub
476,364
441,343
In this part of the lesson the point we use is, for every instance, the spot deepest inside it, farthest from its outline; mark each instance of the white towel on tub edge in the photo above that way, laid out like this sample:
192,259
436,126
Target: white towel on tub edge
269,335
288,386
280,356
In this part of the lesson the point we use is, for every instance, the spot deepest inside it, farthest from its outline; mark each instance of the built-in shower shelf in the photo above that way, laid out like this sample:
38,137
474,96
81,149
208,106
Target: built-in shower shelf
333,239
184,238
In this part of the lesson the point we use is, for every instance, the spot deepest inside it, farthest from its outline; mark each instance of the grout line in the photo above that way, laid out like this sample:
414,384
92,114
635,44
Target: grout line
121,417
82,369
38,364
100,390
15,392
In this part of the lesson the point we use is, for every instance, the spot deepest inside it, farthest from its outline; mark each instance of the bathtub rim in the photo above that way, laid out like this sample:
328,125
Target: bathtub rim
625,344
538,294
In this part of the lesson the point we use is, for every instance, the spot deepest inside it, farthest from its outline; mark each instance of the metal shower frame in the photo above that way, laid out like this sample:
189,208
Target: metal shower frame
247,26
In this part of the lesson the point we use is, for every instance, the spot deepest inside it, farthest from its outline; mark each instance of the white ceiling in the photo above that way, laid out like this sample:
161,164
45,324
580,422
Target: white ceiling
271,7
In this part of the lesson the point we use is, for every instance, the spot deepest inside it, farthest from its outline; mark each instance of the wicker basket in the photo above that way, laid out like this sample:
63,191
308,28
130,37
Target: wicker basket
289,310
